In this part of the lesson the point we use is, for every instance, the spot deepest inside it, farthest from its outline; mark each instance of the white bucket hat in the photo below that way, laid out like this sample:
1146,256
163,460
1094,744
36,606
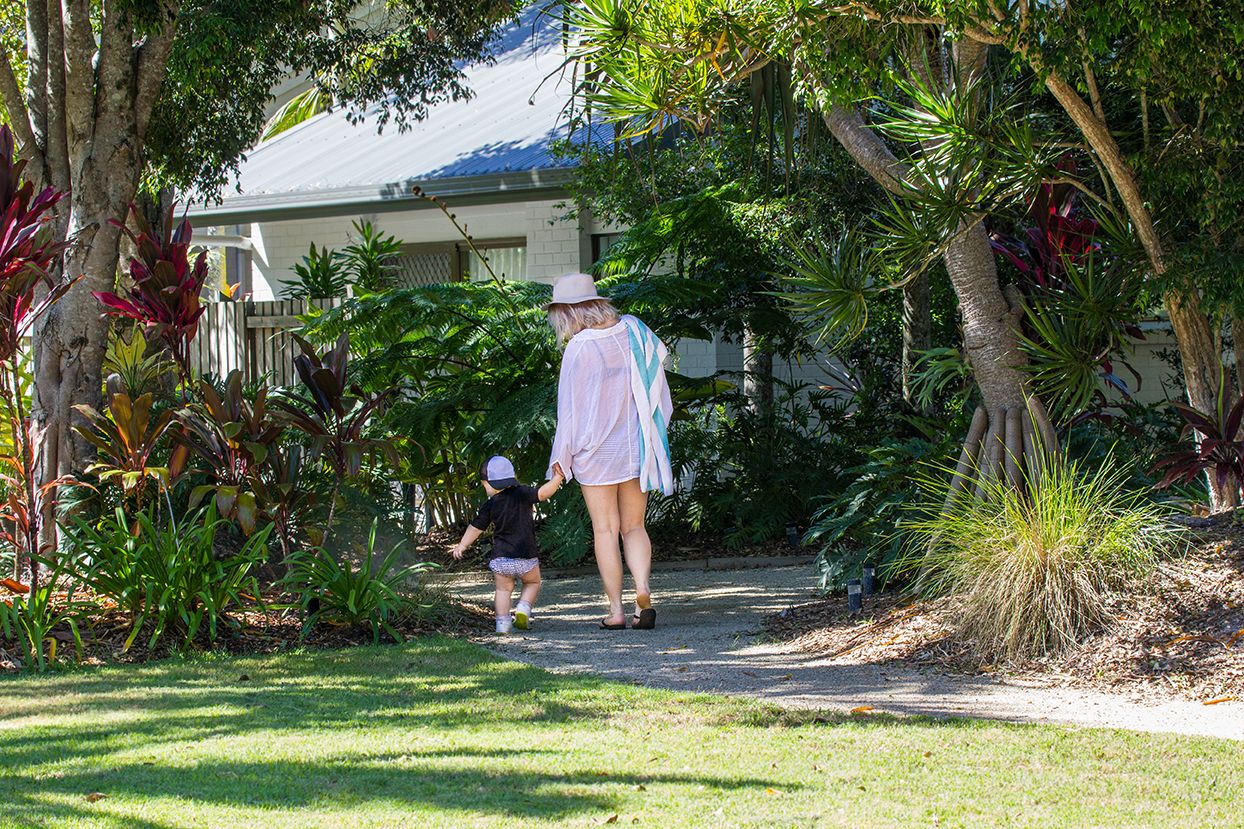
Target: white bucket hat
572,289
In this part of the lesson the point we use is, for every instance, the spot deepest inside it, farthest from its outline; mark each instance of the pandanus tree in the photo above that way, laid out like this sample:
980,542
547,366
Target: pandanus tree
648,65
28,255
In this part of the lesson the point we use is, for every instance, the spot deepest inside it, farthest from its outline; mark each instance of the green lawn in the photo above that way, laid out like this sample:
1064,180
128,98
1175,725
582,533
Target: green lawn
440,733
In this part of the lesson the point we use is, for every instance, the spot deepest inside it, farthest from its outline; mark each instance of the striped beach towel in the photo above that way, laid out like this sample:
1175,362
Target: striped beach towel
652,397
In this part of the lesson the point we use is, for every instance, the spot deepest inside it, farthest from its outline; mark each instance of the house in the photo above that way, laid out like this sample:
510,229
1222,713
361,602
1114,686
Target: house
490,158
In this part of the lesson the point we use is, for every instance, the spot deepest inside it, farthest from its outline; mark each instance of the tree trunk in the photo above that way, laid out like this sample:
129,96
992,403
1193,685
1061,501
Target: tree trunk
917,327
990,326
69,339
92,85
757,374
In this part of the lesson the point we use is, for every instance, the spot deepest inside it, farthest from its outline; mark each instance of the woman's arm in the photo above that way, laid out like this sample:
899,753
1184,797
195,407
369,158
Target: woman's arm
565,439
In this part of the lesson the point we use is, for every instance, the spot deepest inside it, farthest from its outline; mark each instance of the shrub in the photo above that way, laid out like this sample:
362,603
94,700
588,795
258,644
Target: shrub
1033,569
859,525
750,473
30,619
168,579
320,275
1220,450
373,595
166,296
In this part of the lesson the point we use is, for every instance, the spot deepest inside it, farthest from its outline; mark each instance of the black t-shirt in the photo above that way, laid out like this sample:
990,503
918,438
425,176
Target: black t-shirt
514,528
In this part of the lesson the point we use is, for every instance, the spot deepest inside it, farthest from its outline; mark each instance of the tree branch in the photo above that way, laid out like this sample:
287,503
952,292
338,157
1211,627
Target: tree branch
57,150
116,56
1097,132
19,118
79,69
869,151
1090,79
152,64
37,70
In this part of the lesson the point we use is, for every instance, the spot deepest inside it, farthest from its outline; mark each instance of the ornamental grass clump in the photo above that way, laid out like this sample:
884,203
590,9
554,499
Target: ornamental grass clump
1032,567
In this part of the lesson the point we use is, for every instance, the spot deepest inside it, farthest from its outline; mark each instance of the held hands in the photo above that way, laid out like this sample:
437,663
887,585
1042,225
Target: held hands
558,473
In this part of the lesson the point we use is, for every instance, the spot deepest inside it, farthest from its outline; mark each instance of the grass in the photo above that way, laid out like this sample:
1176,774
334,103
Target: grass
438,732
1034,566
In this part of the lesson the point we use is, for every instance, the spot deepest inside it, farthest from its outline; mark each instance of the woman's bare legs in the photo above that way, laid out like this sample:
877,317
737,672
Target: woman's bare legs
632,506
602,506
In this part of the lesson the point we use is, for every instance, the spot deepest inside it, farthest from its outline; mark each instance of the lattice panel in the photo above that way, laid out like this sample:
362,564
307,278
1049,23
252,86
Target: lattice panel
424,268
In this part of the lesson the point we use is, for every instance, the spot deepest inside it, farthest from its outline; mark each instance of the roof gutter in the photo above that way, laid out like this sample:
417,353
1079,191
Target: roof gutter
493,188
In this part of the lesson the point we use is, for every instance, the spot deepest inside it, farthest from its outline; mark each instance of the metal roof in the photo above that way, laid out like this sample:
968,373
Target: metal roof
493,146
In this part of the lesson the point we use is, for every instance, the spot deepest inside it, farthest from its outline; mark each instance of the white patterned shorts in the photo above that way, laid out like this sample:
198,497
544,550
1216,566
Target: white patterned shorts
513,567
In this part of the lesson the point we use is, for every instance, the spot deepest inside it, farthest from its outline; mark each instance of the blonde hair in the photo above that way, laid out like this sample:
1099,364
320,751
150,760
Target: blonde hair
568,320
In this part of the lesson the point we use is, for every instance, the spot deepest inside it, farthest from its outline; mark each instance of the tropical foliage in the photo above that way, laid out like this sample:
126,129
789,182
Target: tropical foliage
1218,450
170,578
28,250
371,594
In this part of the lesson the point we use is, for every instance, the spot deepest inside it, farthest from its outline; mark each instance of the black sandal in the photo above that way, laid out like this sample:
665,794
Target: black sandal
605,625
645,619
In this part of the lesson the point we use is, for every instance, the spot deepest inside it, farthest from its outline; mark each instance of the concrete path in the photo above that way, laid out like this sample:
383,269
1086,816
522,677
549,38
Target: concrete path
706,640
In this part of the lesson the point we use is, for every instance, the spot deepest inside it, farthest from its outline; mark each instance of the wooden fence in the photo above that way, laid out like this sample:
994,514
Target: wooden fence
253,337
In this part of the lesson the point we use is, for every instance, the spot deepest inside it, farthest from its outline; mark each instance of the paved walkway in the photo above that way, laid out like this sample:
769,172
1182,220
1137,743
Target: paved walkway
706,640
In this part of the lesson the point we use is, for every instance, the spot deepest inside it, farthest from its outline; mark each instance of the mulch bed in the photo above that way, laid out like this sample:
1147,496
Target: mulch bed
1180,634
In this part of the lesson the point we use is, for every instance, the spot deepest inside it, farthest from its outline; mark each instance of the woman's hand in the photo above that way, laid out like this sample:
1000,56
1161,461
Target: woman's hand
458,552
557,471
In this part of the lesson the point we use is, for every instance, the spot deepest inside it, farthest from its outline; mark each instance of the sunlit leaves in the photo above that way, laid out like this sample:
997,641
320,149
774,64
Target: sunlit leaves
832,284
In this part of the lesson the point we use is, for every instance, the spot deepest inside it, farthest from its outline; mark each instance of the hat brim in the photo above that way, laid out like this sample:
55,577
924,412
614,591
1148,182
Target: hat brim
572,301
503,483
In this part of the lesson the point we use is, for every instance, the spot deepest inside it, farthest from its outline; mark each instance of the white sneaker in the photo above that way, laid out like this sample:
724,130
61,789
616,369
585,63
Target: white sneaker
522,618
504,625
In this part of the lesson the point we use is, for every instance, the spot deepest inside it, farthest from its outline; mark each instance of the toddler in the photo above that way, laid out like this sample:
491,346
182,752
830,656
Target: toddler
510,511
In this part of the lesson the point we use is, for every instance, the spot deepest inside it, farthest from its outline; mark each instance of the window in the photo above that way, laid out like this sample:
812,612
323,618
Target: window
506,257
601,242
425,265
442,262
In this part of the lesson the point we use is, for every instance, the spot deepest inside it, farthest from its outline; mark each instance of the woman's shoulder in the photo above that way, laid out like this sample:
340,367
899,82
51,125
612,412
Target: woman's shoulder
588,334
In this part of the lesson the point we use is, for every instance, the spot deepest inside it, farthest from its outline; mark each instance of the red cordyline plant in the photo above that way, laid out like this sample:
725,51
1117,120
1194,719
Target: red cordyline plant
166,295
334,415
1218,451
1058,237
28,250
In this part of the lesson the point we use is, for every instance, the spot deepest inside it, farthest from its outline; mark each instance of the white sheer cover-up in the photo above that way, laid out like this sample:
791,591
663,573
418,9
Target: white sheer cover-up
597,439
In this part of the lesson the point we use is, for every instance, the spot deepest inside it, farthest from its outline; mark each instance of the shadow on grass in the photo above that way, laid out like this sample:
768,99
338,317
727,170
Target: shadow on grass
134,733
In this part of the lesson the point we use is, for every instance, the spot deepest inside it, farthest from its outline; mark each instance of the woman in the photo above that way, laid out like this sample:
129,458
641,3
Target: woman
613,407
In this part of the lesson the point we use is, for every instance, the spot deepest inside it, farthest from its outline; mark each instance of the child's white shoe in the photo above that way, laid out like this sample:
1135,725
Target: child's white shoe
522,616
504,625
